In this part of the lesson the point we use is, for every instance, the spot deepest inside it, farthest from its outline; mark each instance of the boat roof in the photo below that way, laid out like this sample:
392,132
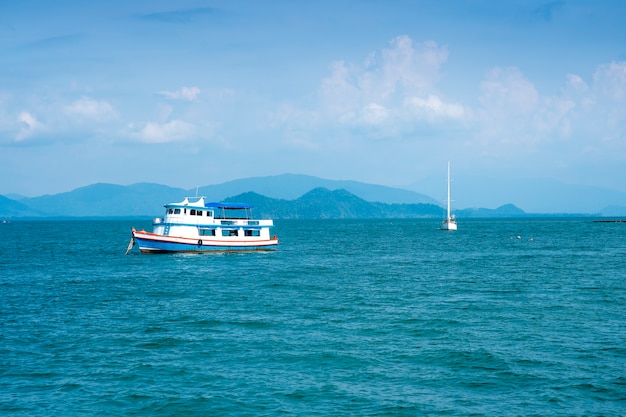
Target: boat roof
200,203
228,206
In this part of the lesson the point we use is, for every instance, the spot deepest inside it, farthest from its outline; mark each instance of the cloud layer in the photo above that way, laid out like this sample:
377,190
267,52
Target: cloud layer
392,92
395,87
388,103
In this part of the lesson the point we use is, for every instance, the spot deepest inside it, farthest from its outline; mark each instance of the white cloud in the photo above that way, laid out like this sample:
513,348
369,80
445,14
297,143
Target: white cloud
28,126
409,68
76,121
609,106
552,120
514,114
387,90
610,80
173,131
580,118
164,111
507,90
97,110
338,92
184,93
375,114
575,84
433,108
395,91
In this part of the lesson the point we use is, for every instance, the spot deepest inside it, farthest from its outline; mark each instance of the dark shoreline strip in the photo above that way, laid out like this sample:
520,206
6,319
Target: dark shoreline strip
610,221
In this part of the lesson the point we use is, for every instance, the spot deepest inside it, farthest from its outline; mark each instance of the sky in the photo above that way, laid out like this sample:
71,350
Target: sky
192,93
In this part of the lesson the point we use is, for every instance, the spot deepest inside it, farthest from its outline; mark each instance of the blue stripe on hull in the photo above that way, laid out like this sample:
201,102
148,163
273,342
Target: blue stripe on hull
152,246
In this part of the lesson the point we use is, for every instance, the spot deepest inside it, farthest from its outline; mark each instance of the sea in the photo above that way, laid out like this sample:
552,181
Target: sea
504,317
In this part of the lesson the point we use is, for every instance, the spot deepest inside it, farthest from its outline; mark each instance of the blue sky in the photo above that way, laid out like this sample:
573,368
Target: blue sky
191,93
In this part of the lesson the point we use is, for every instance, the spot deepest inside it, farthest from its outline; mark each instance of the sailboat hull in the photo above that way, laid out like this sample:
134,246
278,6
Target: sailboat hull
448,225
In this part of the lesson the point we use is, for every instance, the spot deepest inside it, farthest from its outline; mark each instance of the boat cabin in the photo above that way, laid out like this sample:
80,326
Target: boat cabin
210,219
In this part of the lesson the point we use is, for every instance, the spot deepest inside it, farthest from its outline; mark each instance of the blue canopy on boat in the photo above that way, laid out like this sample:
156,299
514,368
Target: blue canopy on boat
228,206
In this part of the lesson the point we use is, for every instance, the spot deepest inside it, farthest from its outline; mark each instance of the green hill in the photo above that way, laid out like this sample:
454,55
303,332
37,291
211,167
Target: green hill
507,210
321,203
293,186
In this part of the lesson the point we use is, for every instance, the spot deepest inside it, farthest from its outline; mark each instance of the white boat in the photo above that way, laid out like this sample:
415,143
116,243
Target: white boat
450,222
200,226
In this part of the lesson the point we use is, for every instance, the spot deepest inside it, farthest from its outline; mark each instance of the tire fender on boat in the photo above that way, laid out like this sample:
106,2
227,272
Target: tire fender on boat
200,242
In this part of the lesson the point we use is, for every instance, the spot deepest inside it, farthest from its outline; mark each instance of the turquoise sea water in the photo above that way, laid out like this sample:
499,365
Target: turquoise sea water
364,317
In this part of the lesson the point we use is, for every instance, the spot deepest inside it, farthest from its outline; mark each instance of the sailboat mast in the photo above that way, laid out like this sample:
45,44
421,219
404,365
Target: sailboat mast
448,189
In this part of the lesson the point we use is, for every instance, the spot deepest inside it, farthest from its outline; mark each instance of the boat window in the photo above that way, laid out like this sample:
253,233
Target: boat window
176,211
199,213
207,232
192,212
230,232
184,211
209,213
170,211
253,232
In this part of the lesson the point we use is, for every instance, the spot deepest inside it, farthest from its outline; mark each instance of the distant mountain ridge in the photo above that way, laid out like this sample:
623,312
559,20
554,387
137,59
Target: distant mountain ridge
11,208
293,186
322,203
532,195
274,195
507,210
147,199
106,200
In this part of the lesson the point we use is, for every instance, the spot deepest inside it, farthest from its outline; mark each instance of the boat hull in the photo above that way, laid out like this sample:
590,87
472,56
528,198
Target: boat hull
448,225
154,243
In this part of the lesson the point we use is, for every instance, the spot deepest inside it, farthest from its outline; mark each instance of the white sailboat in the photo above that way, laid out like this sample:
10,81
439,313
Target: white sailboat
450,222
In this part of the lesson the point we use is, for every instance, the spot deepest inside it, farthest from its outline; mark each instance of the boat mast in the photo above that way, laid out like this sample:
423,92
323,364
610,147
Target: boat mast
448,190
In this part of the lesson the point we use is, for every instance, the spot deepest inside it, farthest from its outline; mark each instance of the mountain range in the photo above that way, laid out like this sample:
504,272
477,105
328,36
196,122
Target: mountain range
533,195
281,196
